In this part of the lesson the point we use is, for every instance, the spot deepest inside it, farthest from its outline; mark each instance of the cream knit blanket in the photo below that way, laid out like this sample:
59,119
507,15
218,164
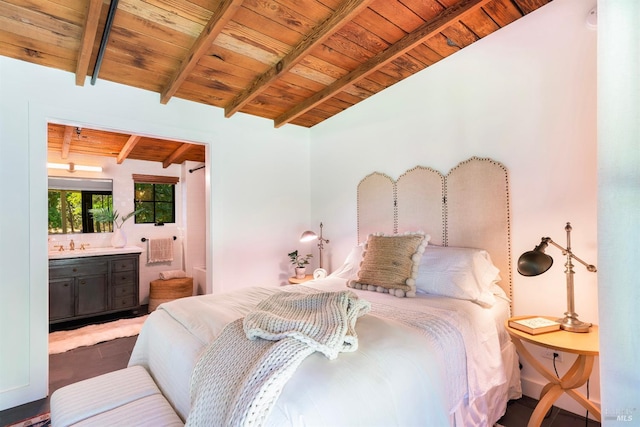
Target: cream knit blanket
237,380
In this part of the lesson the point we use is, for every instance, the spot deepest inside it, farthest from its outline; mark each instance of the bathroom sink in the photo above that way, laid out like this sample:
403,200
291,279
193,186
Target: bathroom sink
79,253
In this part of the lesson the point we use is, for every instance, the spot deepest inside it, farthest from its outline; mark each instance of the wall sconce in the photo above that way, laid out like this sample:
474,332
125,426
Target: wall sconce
72,167
308,236
536,262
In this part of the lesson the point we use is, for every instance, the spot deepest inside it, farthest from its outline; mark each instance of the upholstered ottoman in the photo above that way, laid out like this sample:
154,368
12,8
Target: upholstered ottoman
128,397
167,290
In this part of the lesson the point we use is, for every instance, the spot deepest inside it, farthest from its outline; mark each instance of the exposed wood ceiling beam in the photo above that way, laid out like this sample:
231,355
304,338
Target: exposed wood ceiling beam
218,20
405,44
343,14
88,40
127,148
66,141
177,153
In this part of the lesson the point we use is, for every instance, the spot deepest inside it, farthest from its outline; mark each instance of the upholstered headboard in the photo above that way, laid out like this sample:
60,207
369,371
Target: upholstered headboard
467,207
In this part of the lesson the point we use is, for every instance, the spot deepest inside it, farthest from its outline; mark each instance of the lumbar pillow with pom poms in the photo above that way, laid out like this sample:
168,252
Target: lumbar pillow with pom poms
390,263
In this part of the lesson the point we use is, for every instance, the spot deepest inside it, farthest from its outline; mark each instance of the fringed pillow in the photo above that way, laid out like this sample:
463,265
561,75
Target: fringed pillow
390,263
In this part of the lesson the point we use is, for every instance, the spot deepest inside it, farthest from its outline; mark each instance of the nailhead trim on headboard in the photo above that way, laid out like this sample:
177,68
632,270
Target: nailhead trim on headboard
380,194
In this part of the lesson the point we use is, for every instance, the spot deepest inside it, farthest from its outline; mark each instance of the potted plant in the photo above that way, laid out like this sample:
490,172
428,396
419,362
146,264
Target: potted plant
109,216
300,263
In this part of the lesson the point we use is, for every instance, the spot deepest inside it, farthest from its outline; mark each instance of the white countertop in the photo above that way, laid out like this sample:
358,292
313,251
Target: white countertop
80,253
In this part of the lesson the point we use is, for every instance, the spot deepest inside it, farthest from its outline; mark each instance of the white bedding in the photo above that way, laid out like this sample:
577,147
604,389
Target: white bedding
400,375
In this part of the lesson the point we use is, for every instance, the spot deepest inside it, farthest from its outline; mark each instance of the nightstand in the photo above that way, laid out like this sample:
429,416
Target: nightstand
294,281
584,345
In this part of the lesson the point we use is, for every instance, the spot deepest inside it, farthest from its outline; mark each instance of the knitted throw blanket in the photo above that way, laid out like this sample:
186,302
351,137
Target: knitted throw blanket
237,380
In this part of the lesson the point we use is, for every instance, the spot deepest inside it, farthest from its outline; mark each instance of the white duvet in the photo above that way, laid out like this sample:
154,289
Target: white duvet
420,361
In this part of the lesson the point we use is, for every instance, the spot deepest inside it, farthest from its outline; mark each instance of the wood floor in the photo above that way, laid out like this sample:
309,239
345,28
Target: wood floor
87,362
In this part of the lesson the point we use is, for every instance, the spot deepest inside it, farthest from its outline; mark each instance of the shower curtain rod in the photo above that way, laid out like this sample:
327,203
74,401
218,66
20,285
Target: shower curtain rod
195,169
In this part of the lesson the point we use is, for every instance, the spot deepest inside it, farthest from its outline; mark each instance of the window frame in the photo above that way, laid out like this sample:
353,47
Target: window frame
154,202
154,180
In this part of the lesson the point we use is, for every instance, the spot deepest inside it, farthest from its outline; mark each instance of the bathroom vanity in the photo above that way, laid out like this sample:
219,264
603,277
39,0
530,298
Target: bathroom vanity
93,282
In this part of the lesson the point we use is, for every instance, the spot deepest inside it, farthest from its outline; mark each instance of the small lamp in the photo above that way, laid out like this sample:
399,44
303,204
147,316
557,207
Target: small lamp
308,236
535,262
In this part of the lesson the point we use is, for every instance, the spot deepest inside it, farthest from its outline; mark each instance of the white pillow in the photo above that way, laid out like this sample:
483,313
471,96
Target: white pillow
455,272
349,269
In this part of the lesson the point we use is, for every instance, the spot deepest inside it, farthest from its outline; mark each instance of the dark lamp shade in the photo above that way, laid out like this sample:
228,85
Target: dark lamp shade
533,263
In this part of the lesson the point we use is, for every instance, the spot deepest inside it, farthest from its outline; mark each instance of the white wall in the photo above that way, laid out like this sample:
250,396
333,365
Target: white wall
619,208
525,96
258,176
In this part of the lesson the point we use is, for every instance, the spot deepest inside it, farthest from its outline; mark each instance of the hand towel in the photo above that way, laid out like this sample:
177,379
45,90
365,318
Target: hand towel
160,250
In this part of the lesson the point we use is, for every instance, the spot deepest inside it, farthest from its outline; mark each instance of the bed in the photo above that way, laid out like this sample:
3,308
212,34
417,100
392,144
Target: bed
433,353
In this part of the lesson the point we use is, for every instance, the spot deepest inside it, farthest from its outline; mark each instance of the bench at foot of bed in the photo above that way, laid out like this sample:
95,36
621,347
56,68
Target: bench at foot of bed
125,397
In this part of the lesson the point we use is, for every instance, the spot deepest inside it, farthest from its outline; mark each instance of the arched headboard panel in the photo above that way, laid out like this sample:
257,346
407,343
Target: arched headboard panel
478,212
420,203
468,207
376,197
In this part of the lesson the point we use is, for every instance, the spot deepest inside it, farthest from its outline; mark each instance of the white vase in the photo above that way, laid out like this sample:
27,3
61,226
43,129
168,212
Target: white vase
300,272
118,240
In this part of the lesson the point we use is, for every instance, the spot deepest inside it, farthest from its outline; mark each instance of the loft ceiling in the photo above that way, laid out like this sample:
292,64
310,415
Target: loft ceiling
291,61
66,140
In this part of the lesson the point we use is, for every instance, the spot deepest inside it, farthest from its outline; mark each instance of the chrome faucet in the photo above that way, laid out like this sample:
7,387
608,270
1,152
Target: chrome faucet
72,245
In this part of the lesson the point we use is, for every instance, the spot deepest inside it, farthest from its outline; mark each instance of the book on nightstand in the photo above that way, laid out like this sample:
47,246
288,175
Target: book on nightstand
534,325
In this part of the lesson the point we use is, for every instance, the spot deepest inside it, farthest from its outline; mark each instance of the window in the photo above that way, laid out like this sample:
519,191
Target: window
156,196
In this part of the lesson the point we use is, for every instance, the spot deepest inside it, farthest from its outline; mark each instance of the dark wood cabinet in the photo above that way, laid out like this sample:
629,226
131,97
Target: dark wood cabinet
88,286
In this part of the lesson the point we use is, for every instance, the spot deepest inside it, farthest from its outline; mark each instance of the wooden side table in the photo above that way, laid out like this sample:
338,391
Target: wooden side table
584,345
295,281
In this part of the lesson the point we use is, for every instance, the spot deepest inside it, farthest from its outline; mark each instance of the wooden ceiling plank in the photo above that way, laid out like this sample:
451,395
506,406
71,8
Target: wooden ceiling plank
180,151
363,37
158,16
21,47
342,15
375,23
428,29
29,24
245,48
66,141
218,20
528,6
88,40
503,12
425,54
274,29
460,35
480,23
128,147
186,9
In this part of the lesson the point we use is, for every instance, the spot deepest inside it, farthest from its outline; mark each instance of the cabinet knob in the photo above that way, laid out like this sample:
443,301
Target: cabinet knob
75,269
82,282
66,285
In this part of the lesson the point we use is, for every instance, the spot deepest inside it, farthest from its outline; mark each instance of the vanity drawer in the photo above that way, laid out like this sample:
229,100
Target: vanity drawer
124,302
125,264
122,291
78,269
123,278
